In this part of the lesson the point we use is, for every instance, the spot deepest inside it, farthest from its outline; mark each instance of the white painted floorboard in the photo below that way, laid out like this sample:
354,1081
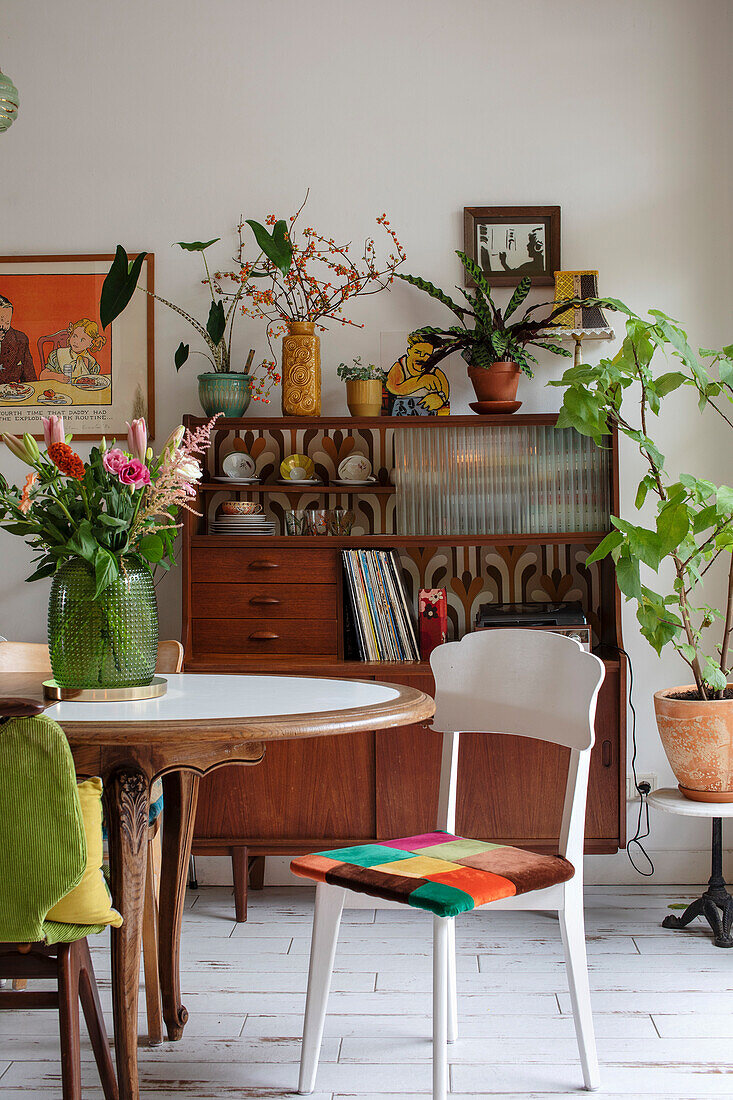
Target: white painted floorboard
663,1006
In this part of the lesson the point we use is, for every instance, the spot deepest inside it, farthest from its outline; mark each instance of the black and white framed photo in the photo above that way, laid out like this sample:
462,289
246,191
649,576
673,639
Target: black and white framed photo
509,242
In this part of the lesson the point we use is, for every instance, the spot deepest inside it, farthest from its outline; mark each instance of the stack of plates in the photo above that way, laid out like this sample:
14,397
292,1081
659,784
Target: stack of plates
241,525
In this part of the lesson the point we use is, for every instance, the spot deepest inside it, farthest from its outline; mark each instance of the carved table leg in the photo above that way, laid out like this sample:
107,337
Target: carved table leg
126,796
715,898
180,795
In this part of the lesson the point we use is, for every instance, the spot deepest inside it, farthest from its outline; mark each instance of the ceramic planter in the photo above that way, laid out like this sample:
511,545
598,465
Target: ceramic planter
301,370
364,396
228,394
496,383
697,736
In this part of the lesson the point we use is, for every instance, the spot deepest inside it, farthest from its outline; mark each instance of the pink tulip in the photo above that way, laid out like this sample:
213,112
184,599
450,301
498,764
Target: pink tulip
53,429
114,460
137,439
135,474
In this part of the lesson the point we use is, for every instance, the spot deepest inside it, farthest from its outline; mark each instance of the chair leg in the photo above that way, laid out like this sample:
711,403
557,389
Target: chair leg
441,936
452,995
89,996
240,863
326,921
572,930
68,971
153,1000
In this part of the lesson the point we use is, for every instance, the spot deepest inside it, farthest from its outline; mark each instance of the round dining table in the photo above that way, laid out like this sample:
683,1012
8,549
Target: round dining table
201,723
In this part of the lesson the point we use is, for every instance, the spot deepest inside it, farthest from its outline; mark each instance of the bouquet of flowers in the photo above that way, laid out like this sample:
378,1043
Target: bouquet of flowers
122,505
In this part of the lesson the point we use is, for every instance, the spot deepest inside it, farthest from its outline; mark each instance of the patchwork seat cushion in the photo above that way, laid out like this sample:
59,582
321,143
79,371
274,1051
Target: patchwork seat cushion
442,873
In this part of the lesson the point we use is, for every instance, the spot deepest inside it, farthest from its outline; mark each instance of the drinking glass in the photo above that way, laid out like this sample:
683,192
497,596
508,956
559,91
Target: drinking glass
340,521
318,521
296,522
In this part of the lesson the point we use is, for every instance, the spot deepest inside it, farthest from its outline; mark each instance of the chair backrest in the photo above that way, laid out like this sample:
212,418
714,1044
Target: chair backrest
33,657
43,850
530,683
58,339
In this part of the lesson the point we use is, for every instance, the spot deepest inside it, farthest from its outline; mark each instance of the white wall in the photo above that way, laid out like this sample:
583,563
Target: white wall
149,122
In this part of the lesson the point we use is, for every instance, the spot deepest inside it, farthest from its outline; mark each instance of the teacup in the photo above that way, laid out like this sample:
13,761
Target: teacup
240,508
298,473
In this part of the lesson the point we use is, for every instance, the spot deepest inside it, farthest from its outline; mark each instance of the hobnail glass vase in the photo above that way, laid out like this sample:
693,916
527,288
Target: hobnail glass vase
110,641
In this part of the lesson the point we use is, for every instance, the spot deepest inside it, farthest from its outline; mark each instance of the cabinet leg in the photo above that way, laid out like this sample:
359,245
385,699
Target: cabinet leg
239,873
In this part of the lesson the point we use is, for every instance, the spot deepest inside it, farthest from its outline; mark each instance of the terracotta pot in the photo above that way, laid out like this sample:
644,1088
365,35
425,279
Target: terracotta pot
697,736
364,396
497,383
301,383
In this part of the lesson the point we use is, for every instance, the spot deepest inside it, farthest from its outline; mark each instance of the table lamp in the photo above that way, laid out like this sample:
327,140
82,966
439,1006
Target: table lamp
580,322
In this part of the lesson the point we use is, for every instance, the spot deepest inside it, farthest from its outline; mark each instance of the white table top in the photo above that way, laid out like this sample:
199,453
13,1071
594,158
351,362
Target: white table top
192,697
674,802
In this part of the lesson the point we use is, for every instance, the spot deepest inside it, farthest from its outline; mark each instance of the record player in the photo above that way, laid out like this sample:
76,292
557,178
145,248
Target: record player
562,618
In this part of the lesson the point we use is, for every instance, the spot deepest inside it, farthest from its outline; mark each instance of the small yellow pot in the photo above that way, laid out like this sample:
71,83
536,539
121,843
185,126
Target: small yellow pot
364,397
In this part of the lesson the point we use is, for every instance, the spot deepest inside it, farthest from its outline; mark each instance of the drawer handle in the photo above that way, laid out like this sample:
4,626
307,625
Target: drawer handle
264,564
263,636
606,754
270,600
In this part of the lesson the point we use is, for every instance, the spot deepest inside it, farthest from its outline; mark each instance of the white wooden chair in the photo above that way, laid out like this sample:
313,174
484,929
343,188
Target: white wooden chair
523,682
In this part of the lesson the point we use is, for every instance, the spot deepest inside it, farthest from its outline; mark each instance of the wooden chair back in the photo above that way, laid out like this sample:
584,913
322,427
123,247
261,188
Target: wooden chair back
529,683
33,657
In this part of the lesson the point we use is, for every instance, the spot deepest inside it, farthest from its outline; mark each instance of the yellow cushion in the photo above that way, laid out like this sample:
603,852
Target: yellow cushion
89,902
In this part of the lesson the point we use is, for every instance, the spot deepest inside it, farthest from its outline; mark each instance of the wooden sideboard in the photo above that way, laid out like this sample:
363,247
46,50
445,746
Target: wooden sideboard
258,603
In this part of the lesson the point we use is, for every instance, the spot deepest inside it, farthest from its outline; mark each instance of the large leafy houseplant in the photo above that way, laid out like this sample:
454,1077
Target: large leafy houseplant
691,530
484,334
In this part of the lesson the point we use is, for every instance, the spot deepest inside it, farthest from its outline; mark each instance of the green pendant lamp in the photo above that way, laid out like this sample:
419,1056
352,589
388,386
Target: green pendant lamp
8,102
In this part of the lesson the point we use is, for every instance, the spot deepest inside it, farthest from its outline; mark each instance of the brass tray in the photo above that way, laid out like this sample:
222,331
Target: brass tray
157,687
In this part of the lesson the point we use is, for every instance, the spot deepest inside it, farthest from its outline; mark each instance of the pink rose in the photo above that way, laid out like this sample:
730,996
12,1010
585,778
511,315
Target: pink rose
53,429
135,474
114,460
137,439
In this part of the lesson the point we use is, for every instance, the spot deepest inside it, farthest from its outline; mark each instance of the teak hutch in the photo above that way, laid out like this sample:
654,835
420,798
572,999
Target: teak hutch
499,509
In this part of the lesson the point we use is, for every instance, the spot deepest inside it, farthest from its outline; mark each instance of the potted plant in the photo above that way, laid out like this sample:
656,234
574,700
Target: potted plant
363,387
692,530
495,350
304,279
222,391
96,529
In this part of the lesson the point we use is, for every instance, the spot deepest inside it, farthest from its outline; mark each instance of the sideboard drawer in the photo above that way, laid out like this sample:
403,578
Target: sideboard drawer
231,565
258,638
264,599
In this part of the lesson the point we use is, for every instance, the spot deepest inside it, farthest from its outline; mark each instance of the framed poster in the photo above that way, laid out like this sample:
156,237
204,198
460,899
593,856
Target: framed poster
509,242
54,356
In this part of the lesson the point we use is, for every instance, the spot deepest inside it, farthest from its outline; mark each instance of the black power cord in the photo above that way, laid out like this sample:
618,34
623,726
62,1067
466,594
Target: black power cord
643,828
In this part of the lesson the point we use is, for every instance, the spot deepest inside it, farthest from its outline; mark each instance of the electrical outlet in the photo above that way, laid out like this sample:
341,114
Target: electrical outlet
651,778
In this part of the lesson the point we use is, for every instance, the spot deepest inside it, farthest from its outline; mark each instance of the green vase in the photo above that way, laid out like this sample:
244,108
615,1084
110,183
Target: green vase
110,641
228,394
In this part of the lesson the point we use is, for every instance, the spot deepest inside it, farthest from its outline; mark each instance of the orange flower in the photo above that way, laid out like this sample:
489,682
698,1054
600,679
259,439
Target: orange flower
67,461
25,500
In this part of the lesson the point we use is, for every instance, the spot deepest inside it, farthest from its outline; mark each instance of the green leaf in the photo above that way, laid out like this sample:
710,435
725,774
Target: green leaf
105,570
641,492
643,544
522,290
197,246
275,245
83,543
724,500
47,570
669,382
713,676
151,547
627,575
181,355
609,543
434,292
217,322
673,523
119,285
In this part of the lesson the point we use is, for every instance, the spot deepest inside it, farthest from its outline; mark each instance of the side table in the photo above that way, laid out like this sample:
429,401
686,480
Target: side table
716,904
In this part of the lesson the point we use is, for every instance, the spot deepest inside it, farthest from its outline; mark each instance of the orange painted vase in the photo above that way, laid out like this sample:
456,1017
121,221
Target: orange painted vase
301,382
697,736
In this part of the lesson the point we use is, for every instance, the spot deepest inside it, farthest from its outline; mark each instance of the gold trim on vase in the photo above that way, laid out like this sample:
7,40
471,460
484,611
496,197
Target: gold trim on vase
158,686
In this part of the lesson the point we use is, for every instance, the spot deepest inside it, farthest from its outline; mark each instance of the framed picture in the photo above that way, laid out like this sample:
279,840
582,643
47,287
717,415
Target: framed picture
412,387
509,242
54,356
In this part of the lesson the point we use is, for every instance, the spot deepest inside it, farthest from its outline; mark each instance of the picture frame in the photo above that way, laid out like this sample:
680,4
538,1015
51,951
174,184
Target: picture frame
55,357
509,242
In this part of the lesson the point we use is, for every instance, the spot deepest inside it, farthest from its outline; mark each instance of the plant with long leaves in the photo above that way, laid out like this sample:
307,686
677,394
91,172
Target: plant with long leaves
484,334
693,525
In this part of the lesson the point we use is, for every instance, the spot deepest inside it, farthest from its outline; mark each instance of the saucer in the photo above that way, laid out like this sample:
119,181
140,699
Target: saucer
342,481
494,408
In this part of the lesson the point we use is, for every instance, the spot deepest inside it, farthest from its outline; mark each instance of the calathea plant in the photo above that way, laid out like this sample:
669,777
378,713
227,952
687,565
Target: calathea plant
693,524
484,334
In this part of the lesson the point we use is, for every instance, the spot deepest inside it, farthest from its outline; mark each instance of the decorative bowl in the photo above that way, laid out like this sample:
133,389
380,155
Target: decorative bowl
238,464
354,468
297,462
240,508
